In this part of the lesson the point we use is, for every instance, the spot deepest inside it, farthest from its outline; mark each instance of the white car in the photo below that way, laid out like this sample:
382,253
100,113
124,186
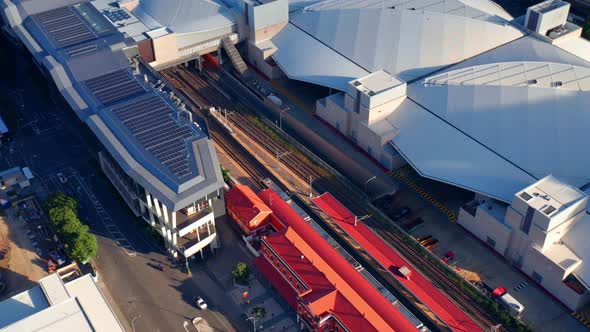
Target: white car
201,303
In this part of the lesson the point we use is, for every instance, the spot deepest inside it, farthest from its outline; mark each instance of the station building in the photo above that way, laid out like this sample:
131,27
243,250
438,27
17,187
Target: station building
326,291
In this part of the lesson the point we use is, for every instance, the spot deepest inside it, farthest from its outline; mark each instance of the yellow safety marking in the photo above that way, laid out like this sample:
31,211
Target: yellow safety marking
452,216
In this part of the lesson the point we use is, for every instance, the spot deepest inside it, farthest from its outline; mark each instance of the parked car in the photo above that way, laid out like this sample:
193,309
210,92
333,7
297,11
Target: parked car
57,258
201,303
401,213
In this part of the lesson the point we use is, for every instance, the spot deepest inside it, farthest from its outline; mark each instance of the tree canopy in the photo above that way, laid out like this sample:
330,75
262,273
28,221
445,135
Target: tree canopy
63,218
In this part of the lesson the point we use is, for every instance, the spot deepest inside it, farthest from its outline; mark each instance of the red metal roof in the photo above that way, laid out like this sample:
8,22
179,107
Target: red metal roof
276,279
361,295
247,206
386,256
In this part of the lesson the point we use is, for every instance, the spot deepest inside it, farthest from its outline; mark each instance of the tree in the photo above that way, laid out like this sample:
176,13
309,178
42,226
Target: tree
586,29
84,247
60,199
71,230
241,272
60,215
259,312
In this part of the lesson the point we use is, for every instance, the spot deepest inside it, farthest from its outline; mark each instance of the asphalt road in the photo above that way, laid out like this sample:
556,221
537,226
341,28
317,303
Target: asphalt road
51,139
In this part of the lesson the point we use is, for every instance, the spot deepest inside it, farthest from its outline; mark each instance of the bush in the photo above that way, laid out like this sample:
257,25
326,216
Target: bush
241,272
226,174
259,312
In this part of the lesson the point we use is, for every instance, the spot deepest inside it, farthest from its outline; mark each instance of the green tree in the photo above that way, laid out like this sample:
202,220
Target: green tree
60,199
84,247
241,272
259,312
71,230
60,215
586,29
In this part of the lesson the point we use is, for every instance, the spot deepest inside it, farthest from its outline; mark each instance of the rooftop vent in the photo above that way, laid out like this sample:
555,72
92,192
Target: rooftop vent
550,209
371,93
525,196
557,84
533,82
356,83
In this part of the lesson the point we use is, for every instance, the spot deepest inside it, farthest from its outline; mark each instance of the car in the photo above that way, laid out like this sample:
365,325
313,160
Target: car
57,258
62,178
404,211
201,303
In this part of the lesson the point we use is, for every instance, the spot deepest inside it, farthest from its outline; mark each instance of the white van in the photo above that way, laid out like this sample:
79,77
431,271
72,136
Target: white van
511,304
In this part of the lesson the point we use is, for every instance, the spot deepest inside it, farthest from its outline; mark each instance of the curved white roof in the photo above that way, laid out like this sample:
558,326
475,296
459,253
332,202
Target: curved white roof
533,114
186,16
407,38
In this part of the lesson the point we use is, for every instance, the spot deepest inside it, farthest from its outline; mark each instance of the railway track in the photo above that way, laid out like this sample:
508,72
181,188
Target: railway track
201,90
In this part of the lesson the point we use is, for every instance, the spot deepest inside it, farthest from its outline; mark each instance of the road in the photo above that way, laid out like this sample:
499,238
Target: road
51,139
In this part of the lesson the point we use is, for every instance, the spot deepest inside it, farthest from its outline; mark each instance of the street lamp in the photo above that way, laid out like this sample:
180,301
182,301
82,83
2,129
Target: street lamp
281,117
133,322
253,318
369,180
188,270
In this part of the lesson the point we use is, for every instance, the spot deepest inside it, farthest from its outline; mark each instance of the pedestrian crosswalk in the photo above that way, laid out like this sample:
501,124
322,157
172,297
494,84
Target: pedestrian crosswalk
520,286
402,174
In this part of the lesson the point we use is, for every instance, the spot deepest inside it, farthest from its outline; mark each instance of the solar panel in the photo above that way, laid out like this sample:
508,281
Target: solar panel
114,87
150,120
65,26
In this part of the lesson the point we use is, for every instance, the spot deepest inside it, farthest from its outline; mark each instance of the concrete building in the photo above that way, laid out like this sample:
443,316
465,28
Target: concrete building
53,305
157,153
542,232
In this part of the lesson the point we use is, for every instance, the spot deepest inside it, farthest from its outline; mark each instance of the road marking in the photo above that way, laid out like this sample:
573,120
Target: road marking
106,220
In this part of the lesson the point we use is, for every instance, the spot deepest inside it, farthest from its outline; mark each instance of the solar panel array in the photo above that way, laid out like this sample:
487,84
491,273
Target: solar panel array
116,15
150,121
115,86
65,26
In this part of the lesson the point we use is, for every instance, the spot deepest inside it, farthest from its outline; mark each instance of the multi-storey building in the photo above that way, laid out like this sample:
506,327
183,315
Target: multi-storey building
156,152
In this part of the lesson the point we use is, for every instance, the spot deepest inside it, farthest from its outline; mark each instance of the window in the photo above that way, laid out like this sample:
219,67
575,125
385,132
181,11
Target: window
537,277
357,102
491,242
528,219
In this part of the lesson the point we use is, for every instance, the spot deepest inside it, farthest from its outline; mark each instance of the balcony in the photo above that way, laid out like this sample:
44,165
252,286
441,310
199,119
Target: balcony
193,242
187,223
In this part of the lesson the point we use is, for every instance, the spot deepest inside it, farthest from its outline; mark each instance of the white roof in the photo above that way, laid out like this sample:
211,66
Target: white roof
535,127
303,58
54,306
407,38
550,192
185,16
440,152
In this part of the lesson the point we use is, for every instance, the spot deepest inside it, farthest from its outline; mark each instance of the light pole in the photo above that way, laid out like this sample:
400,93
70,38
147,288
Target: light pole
281,117
253,318
133,322
369,180
188,270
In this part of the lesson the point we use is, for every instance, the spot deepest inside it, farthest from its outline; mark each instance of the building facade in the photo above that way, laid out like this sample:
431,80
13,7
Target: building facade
539,232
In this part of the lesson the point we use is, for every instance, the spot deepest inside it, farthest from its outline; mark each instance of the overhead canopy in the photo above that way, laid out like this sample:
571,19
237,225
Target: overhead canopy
303,58
440,152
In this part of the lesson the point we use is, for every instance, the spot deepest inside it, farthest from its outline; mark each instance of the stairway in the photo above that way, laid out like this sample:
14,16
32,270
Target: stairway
234,55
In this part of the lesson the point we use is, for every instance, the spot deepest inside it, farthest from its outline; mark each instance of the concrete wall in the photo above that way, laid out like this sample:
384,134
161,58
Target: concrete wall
165,48
553,276
258,57
266,20
484,225
552,19
331,110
